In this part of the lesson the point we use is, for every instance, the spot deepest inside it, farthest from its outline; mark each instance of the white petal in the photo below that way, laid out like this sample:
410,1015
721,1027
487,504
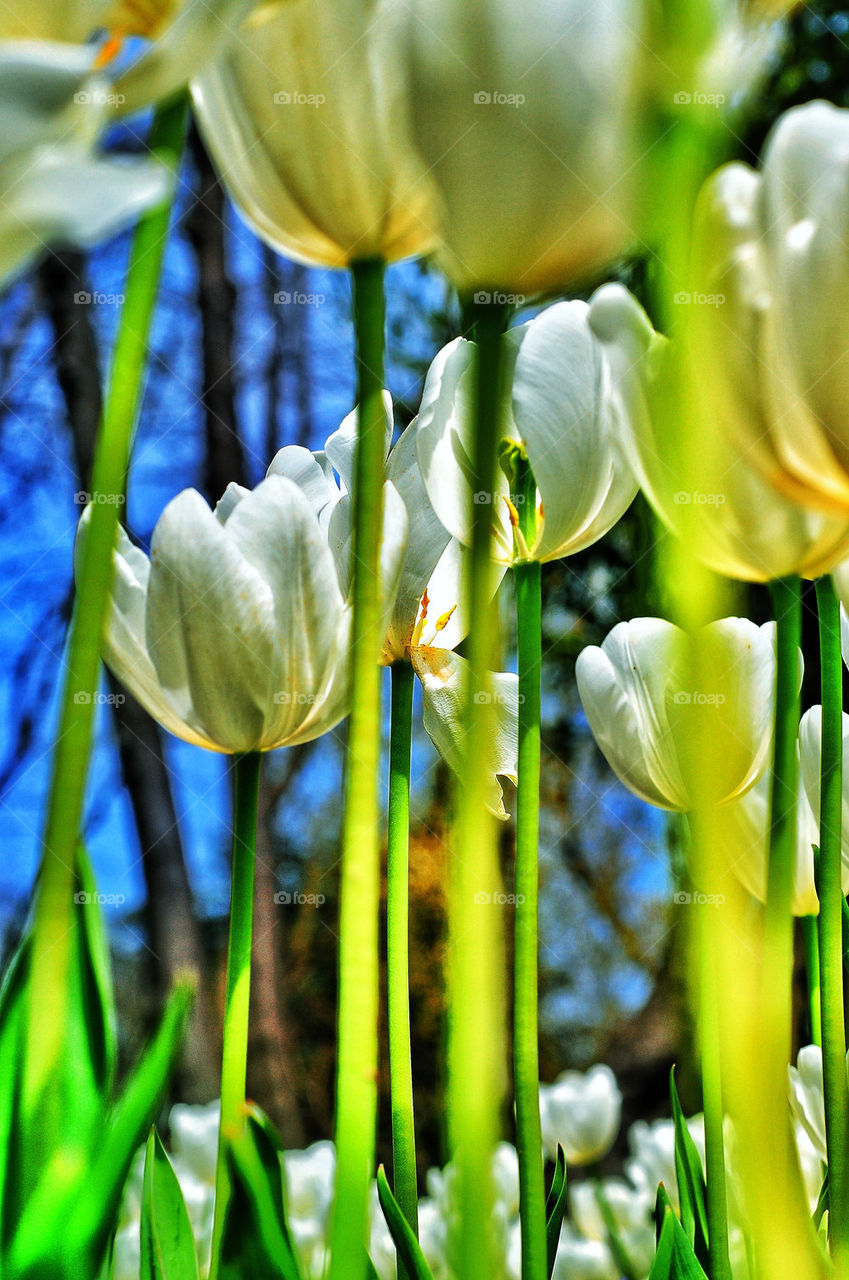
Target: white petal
305,469
443,439
443,677
210,624
341,446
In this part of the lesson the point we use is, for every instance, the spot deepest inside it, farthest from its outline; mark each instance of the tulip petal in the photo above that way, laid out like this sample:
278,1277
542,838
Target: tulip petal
443,677
443,440
305,469
210,623
562,407
341,446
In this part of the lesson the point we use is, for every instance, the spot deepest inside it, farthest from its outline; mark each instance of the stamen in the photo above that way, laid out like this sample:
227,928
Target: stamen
442,620
514,515
416,637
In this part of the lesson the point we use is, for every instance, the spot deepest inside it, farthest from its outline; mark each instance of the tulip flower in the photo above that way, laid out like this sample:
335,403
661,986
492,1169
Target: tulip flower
427,621
233,635
526,133
580,1112
636,690
562,409
716,495
179,36
305,118
55,189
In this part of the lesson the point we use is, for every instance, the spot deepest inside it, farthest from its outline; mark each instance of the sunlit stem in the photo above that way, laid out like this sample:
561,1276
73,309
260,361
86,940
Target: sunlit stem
234,1059
712,1098
475,972
810,941
398,949
54,902
830,868
356,1074
527,581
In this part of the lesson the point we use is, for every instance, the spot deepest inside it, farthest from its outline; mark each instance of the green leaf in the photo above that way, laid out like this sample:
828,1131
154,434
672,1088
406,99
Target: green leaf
555,1207
822,1203
692,1193
661,1204
675,1259
70,1216
403,1236
256,1239
167,1242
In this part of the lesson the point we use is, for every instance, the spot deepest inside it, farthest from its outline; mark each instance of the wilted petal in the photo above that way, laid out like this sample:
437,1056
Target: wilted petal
443,676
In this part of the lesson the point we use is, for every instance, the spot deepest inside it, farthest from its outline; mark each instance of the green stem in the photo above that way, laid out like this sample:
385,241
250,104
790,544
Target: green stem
54,898
397,949
528,584
246,769
810,942
475,975
836,1095
356,1079
711,1064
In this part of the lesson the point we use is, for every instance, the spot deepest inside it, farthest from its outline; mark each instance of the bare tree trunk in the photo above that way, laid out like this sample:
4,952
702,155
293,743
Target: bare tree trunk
173,932
270,1059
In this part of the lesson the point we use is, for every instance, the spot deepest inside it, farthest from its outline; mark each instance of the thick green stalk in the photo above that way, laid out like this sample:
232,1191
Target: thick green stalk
711,1066
475,974
836,1095
356,1078
398,948
810,941
54,900
527,580
234,1061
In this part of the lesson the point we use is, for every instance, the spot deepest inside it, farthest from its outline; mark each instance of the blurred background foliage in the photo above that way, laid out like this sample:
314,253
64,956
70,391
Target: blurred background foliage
250,352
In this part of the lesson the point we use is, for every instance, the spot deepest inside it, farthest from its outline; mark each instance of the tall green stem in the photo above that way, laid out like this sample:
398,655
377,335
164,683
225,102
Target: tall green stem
711,1065
475,974
398,947
527,580
836,1095
356,1078
54,902
234,1061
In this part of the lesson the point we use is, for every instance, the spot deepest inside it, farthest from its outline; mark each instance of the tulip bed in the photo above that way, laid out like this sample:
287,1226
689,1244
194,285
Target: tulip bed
534,154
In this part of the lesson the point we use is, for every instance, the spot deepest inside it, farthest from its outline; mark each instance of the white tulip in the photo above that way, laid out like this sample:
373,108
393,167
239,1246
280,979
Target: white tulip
309,1178
524,117
715,492
652,1149
306,119
564,409
194,1138
234,634
580,1259
747,819
636,690
54,188
806,1097
427,619
581,1112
